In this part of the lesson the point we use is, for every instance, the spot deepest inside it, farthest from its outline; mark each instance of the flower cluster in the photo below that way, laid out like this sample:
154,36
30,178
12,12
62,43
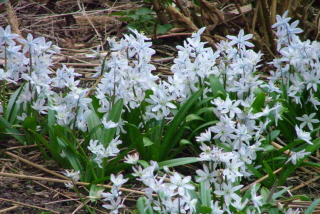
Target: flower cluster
241,113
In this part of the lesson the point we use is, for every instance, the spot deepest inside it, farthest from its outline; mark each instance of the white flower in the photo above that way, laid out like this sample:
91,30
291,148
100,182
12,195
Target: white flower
256,199
228,192
305,136
161,101
6,36
74,175
181,184
118,181
307,120
108,124
241,40
215,208
297,155
291,211
132,159
204,136
206,176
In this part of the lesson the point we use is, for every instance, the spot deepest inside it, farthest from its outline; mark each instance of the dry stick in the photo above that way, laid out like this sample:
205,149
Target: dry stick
80,206
28,205
186,22
53,190
8,209
21,147
64,195
305,184
255,14
273,11
242,15
259,180
83,11
64,181
37,166
268,29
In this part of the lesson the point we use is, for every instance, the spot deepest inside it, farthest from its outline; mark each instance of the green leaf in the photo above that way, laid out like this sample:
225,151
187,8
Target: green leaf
202,127
299,197
185,142
141,205
258,175
137,139
93,121
273,210
279,194
40,141
205,209
270,137
94,189
175,130
13,107
143,11
162,29
259,103
9,130
268,169
147,142
114,116
71,154
192,117
216,87
178,162
312,207
205,196
134,17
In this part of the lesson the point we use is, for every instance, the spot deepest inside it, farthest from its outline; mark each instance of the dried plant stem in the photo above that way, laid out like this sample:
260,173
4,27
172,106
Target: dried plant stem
36,165
64,181
255,14
259,180
267,24
159,8
8,209
242,15
27,205
81,7
305,184
273,11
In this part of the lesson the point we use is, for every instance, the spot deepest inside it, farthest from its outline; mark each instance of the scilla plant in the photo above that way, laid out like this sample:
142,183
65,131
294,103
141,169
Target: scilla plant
215,103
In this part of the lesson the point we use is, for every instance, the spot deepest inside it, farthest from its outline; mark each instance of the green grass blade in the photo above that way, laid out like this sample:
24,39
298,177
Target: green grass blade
312,207
178,162
114,116
93,121
137,139
175,131
216,87
141,205
13,107
7,128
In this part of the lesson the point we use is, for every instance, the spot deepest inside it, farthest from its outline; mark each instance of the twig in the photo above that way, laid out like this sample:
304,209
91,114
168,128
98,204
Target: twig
65,181
36,165
8,209
28,205
259,180
83,11
304,184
